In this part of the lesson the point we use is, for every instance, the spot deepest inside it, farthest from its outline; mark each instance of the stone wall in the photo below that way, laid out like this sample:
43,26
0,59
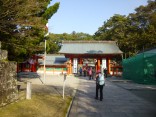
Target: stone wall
3,54
8,87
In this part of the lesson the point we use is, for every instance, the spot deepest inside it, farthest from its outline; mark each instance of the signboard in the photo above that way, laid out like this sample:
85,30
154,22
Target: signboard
75,65
104,63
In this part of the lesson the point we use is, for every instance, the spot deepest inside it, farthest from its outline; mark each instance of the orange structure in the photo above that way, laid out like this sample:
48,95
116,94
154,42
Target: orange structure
97,54
55,64
29,65
117,70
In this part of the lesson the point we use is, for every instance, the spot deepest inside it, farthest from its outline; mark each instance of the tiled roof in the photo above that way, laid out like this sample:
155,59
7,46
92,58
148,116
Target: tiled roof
53,59
90,47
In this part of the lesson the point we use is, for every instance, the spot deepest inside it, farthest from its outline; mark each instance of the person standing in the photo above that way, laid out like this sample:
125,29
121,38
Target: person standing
84,71
105,72
80,70
93,73
90,73
100,82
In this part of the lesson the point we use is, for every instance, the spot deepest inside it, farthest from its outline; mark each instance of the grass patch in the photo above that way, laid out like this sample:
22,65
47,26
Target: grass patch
41,105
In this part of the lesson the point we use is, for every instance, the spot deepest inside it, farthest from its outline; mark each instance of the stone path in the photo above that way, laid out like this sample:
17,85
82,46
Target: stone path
117,102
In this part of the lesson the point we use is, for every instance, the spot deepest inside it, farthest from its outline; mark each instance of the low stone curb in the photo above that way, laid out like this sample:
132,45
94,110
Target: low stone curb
71,103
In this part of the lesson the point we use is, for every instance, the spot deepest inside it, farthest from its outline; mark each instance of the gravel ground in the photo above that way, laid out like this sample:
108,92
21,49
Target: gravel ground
149,95
51,84
147,92
54,84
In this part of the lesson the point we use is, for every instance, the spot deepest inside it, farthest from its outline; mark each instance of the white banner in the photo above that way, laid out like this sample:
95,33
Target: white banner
75,65
104,63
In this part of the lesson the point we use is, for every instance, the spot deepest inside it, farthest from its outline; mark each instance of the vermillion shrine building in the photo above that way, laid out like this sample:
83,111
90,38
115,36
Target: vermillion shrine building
76,54
97,54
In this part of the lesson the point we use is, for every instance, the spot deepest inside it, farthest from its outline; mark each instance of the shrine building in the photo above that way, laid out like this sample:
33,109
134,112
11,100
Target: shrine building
95,54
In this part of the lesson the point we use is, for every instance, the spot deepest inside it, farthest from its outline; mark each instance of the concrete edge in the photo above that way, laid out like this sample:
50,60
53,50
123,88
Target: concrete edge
71,103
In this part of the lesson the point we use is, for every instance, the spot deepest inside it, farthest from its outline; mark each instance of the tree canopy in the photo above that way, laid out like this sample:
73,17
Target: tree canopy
23,26
134,32
54,40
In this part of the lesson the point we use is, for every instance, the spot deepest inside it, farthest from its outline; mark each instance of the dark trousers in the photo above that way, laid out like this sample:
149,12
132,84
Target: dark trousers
84,73
105,74
80,73
101,91
90,77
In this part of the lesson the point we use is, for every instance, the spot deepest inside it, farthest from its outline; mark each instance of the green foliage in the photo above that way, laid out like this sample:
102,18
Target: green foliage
113,29
134,32
22,26
22,29
72,36
54,40
51,11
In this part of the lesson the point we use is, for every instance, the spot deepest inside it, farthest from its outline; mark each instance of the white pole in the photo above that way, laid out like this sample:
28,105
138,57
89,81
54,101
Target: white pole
28,92
63,88
64,82
45,62
45,54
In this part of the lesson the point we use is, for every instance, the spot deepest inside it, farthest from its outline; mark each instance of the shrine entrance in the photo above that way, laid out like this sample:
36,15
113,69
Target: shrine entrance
97,54
95,61
86,63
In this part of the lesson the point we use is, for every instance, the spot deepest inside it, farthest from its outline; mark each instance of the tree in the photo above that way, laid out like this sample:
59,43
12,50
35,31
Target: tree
23,26
145,22
55,40
134,32
113,29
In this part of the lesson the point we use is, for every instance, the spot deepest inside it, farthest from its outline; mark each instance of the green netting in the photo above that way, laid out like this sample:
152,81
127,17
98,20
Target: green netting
141,68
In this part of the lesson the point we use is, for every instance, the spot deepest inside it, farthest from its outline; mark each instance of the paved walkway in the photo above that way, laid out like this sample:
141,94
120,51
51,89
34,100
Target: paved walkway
117,102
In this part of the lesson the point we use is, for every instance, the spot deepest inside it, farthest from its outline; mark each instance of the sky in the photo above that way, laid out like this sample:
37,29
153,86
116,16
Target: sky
88,15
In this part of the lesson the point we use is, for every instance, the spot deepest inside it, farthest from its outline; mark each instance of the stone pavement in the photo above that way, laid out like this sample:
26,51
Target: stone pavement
117,102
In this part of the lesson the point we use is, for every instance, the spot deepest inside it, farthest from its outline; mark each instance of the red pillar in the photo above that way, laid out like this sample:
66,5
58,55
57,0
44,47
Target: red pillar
108,65
98,64
17,67
32,68
70,66
35,67
81,62
22,67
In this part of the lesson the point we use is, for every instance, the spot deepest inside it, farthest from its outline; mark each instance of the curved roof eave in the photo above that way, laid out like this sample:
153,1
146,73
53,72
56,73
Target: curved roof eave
90,47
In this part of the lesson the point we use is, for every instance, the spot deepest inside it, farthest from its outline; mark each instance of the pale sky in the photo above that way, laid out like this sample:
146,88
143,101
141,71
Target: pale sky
88,15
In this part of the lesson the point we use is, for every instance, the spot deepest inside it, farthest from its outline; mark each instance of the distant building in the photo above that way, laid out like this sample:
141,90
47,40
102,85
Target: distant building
55,64
76,54
97,54
29,65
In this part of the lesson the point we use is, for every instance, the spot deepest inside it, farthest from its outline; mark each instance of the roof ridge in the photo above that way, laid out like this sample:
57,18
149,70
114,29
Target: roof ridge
88,41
